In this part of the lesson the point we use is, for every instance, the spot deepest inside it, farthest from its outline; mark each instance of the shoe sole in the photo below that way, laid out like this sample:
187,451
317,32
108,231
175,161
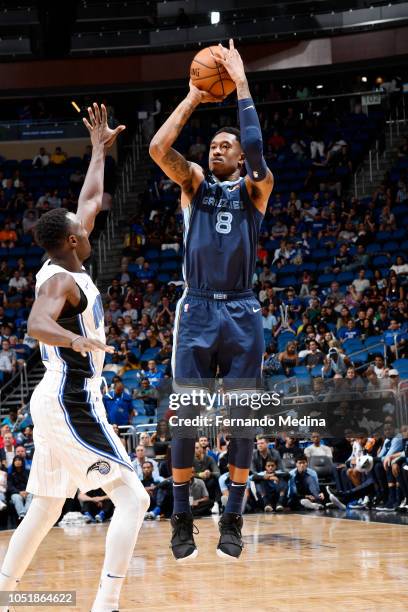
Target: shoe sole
188,558
223,555
339,505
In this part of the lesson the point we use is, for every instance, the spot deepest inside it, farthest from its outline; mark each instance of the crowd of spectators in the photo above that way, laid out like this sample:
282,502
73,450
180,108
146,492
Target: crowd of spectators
287,473
330,277
28,189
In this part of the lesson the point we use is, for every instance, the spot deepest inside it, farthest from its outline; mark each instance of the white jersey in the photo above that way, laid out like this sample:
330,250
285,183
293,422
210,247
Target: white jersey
86,320
75,446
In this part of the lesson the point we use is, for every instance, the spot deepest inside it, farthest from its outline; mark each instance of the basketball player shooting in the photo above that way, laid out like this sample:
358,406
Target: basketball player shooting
75,446
218,319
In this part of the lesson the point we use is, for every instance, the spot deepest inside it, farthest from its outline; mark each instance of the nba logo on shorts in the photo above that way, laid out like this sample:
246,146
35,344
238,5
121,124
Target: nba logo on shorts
186,307
103,467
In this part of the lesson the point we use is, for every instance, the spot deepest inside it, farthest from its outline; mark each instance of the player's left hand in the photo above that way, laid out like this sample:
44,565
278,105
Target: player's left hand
98,128
232,62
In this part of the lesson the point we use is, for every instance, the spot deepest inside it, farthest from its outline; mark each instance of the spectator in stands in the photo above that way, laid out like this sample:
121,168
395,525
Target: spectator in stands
118,405
18,281
289,358
17,488
8,360
314,356
271,488
8,236
42,159
262,454
150,482
139,461
207,469
361,283
197,150
3,489
317,449
7,453
205,445
336,363
303,487
161,439
96,506
148,394
58,157
201,503
289,450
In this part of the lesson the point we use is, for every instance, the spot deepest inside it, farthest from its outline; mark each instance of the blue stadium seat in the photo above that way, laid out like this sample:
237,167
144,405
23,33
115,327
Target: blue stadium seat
391,247
131,377
108,376
139,406
151,353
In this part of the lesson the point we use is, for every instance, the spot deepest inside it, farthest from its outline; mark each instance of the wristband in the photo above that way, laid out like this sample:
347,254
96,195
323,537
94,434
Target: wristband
74,340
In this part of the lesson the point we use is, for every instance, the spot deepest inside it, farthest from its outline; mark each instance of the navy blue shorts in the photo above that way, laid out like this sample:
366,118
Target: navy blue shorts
218,334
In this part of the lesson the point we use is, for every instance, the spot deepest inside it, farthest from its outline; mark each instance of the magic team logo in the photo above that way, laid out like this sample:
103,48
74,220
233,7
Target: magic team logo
103,467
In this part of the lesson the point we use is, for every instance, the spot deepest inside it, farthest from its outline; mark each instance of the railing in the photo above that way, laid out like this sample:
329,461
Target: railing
125,180
360,179
20,379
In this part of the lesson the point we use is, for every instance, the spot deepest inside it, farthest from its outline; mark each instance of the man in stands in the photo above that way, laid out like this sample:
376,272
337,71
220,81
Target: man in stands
303,487
262,454
140,460
207,469
201,503
271,488
153,375
58,157
150,482
118,405
317,449
8,360
7,453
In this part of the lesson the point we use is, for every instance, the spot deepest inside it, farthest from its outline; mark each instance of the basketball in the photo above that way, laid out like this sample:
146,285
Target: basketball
364,464
209,75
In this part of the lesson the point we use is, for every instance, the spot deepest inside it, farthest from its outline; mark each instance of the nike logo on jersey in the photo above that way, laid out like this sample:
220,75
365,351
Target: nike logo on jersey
248,107
256,309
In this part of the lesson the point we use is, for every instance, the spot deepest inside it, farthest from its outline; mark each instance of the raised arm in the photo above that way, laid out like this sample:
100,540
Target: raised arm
186,174
259,180
49,305
102,137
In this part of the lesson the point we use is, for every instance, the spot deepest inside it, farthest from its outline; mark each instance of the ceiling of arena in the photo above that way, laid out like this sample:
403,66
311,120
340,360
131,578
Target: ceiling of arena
49,29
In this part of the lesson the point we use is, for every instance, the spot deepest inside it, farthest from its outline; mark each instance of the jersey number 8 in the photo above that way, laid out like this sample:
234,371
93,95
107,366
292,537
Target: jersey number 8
224,220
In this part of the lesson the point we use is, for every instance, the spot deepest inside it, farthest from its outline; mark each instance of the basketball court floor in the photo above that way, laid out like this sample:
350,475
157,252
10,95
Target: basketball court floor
291,562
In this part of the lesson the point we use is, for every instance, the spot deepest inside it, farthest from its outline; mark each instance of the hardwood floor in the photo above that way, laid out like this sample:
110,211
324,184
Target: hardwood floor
290,562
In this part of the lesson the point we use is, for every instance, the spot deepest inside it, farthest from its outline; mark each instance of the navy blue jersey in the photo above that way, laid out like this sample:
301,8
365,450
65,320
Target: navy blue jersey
221,230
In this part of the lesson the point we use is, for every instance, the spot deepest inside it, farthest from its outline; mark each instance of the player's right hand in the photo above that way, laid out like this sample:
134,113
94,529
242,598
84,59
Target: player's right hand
198,96
83,345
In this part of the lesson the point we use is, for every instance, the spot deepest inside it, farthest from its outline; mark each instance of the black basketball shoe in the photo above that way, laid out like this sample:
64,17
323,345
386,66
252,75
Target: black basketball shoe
182,539
230,543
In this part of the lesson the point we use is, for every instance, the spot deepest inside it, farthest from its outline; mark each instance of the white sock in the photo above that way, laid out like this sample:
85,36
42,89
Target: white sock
41,516
131,502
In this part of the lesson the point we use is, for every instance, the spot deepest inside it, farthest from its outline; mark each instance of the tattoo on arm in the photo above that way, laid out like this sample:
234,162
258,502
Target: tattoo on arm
178,169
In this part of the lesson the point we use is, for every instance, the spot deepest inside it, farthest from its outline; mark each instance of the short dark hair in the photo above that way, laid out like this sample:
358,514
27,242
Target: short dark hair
230,130
301,458
52,229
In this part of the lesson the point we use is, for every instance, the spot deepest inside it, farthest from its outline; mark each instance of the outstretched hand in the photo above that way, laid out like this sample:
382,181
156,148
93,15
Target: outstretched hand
97,126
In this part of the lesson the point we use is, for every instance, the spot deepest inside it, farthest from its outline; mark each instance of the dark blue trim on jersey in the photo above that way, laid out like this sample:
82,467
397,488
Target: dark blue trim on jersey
105,443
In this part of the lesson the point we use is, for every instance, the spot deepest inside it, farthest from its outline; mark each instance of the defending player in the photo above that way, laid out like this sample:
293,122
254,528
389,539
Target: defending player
218,319
75,446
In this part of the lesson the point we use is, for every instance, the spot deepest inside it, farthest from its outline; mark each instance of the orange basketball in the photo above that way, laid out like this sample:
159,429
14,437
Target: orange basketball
209,75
